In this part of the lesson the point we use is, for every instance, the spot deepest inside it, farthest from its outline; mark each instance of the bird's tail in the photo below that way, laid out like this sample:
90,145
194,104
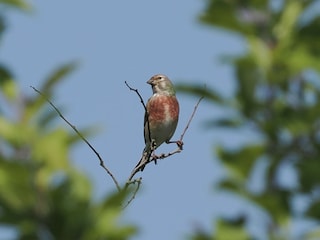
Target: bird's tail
141,164
143,161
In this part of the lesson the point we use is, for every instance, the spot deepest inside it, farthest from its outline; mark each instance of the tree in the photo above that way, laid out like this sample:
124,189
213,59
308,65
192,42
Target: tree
42,194
277,98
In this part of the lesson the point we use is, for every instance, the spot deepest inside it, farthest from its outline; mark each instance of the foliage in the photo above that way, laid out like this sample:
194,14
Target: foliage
277,97
18,4
42,195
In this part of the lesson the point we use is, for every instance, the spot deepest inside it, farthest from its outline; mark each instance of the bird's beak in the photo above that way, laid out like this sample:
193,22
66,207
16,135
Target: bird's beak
150,81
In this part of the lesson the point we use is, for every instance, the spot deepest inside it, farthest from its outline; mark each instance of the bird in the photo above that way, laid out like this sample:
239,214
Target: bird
161,116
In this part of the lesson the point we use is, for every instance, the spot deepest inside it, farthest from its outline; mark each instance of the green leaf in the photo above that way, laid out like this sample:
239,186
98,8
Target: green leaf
15,190
7,84
35,104
240,162
225,122
57,76
2,25
52,147
276,202
308,169
201,91
285,28
227,230
47,116
313,234
308,35
108,214
69,214
301,59
85,132
261,54
21,4
201,235
15,134
223,14
248,78
232,185
314,210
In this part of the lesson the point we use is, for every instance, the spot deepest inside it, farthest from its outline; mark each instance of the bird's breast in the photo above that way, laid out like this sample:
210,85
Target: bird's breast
163,109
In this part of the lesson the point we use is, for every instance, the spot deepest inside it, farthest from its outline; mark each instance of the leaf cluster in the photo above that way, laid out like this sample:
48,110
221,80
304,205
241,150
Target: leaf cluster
42,194
277,98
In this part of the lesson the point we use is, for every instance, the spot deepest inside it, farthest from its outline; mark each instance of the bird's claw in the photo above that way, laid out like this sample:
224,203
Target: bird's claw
180,144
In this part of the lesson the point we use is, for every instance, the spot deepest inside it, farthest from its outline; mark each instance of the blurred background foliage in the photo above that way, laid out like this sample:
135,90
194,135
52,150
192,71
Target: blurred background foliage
42,194
277,99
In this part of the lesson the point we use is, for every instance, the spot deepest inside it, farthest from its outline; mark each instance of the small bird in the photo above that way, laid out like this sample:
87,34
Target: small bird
163,114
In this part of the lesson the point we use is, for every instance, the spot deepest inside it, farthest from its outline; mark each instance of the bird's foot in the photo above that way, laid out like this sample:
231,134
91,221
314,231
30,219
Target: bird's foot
178,142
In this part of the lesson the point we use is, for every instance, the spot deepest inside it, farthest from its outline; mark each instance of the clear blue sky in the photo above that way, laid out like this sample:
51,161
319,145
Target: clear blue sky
117,41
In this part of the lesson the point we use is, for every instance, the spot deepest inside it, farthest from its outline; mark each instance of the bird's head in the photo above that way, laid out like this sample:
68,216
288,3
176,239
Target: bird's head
161,84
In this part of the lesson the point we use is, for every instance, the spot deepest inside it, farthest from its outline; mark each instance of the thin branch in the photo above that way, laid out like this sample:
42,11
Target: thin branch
165,155
81,136
145,108
139,181
190,119
137,92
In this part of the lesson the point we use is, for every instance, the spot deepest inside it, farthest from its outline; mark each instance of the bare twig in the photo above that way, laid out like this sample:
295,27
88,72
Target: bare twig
139,181
137,92
82,137
146,115
190,119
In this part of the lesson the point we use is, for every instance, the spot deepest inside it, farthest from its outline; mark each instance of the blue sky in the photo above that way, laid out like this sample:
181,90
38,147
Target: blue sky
117,41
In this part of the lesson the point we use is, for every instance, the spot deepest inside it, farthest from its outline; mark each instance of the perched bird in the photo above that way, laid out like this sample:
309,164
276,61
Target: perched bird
163,113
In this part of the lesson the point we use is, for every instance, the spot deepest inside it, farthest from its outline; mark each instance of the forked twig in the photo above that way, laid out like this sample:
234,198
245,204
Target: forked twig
81,136
139,181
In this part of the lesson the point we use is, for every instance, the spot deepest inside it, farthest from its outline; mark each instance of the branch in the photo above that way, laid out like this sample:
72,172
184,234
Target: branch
139,181
190,119
145,108
81,136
